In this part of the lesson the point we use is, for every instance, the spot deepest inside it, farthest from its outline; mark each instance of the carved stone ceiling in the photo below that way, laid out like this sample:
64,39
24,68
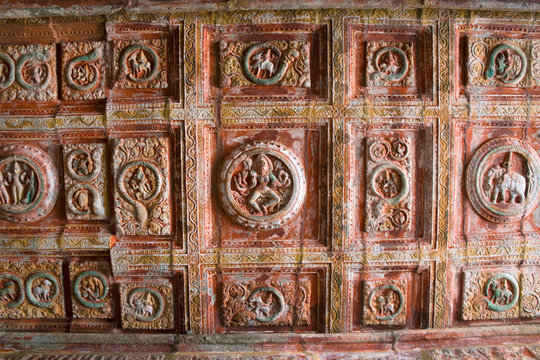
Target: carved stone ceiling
269,180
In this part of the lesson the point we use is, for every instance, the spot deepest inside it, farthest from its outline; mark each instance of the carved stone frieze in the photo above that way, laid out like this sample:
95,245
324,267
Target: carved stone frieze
140,64
31,290
27,72
262,185
28,183
273,303
271,63
91,290
83,66
84,177
390,64
530,295
142,194
498,62
388,193
503,180
147,306
385,302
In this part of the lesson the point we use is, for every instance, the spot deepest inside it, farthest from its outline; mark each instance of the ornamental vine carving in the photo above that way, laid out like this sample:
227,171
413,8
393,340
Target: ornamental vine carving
84,173
141,197
31,290
503,180
388,193
140,64
262,185
274,303
498,62
27,72
147,306
279,63
385,302
91,290
390,64
28,183
84,70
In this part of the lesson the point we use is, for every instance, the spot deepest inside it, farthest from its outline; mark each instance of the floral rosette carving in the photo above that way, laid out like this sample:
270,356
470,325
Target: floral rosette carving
140,64
390,64
262,185
84,172
503,180
530,296
31,290
28,183
385,302
84,70
497,62
91,290
279,63
27,72
141,168
275,303
388,194
490,295
147,306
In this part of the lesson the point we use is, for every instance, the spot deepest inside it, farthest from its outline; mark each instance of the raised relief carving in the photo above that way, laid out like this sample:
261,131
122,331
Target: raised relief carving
390,64
141,169
497,62
262,185
281,63
530,296
490,295
31,290
28,183
27,72
84,171
91,290
535,62
388,197
147,306
502,180
141,64
385,302
276,303
84,70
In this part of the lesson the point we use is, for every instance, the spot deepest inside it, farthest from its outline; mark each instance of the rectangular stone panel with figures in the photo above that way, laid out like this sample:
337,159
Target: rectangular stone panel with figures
277,62
265,186
389,186
259,299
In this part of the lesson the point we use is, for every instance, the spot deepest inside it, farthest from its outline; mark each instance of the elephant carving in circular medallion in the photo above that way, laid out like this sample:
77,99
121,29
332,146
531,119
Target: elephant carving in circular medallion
262,185
28,183
386,302
503,180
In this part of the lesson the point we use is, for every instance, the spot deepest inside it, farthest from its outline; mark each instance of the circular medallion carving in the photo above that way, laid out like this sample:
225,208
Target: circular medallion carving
82,165
41,289
389,182
82,73
146,304
264,64
503,180
11,290
91,288
390,64
33,72
140,63
267,303
506,63
262,185
386,302
502,292
28,183
7,71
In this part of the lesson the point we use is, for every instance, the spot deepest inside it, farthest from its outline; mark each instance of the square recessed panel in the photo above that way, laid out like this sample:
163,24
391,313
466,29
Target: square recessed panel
266,186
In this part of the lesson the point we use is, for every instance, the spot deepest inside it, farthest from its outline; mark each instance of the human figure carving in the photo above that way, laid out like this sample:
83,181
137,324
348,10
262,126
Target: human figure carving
4,195
263,63
16,183
500,293
140,66
503,179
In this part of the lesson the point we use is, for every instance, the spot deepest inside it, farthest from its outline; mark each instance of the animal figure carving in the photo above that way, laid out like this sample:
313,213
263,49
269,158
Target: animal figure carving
8,293
501,294
502,180
43,291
